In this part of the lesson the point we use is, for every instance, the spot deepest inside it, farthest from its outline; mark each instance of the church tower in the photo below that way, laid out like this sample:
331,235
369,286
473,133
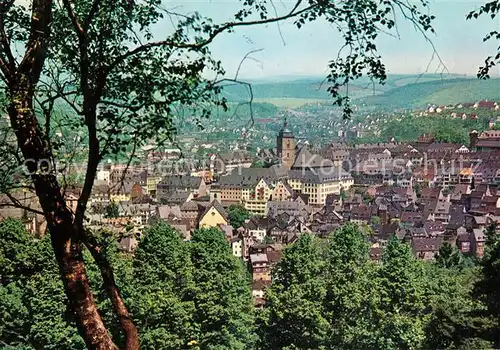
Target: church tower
285,144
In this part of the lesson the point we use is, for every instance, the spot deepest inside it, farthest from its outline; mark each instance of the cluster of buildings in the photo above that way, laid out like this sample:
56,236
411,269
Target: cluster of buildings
372,125
297,176
424,193
423,163
483,104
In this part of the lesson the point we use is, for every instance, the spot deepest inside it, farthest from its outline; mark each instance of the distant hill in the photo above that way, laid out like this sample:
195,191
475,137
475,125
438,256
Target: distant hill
303,89
293,93
439,92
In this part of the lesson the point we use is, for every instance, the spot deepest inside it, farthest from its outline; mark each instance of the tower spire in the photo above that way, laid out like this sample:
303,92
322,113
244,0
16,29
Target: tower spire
285,144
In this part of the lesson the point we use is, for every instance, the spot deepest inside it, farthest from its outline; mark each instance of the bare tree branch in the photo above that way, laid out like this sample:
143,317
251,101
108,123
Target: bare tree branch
414,21
74,18
4,69
34,56
90,16
278,23
4,40
243,60
17,204
211,37
120,184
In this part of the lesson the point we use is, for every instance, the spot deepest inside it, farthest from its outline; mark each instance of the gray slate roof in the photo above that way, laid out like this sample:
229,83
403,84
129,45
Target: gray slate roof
247,177
305,159
258,258
320,175
180,182
218,206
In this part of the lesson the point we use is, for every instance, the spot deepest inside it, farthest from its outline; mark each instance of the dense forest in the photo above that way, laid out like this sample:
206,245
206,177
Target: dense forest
326,293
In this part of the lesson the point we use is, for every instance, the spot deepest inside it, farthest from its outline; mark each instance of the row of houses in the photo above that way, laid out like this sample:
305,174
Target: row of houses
312,192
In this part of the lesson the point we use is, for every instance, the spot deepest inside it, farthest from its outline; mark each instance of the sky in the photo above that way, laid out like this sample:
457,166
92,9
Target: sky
288,51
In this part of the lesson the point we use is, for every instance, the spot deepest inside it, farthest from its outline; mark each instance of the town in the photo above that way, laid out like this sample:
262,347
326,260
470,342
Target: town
425,193
249,175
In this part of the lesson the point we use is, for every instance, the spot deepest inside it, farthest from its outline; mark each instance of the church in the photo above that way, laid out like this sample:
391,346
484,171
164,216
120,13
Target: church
309,173
285,145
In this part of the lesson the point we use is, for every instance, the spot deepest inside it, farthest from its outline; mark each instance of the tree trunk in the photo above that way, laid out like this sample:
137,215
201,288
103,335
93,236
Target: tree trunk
68,253
64,234
128,327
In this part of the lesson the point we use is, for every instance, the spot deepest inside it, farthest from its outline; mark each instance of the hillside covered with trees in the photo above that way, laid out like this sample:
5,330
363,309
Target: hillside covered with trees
326,293
437,92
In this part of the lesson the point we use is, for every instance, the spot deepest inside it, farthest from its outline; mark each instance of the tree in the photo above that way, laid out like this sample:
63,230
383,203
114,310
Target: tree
221,294
343,194
401,283
258,164
92,70
112,210
294,314
33,311
418,190
268,240
487,288
178,293
237,215
99,208
15,252
350,300
375,220
449,257
491,8
455,320
160,297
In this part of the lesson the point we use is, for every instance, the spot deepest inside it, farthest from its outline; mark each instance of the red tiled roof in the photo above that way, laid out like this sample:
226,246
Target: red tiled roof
488,143
273,256
263,120
260,284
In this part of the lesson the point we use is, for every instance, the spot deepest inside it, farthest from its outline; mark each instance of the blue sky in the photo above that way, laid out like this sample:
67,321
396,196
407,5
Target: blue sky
306,51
